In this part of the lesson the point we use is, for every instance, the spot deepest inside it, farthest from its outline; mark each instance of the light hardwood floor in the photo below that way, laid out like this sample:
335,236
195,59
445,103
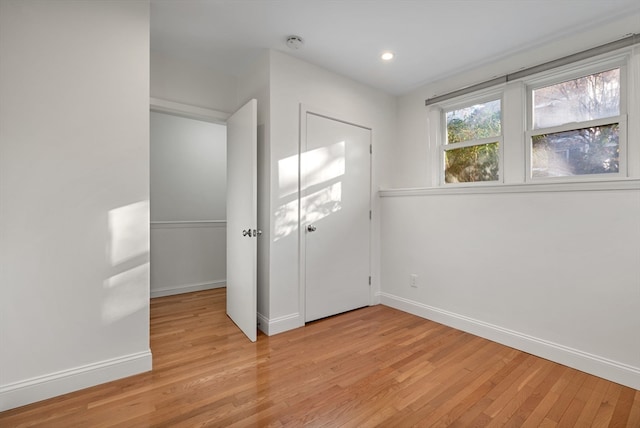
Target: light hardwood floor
372,367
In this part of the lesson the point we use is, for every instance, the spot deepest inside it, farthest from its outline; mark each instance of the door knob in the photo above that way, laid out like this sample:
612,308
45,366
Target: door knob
311,228
246,232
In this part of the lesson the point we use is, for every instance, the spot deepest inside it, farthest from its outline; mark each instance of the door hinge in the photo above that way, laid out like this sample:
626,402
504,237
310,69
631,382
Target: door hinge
369,214
369,280
370,148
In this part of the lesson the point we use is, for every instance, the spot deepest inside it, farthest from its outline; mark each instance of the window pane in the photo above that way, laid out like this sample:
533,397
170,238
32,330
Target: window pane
473,123
583,151
469,164
591,97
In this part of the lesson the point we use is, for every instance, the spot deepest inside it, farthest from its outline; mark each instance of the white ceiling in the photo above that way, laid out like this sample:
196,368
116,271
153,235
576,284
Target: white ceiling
430,38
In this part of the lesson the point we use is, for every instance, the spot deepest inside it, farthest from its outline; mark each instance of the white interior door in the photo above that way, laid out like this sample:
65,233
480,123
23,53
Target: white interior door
242,131
335,203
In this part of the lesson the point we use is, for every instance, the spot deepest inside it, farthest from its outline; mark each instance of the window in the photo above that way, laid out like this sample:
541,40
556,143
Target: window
576,122
471,152
575,126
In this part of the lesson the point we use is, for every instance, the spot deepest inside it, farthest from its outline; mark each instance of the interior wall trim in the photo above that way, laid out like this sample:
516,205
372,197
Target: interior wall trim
593,364
185,110
172,224
550,187
281,324
51,385
188,288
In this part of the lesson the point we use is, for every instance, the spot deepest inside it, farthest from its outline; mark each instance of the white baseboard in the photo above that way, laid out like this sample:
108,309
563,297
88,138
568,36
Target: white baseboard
188,288
584,361
277,325
65,381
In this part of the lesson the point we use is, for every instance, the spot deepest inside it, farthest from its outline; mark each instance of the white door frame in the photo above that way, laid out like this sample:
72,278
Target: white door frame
302,144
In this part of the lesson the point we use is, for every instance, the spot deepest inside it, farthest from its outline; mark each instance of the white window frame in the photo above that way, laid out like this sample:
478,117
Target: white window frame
469,100
570,72
515,147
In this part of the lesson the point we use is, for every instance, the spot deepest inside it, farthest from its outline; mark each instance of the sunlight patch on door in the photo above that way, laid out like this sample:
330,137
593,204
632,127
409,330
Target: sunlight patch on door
318,166
317,205
323,203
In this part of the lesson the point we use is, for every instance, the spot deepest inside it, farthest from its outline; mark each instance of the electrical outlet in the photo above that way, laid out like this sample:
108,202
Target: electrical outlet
413,280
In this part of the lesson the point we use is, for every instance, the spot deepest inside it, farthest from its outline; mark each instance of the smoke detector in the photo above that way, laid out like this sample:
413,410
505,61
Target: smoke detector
295,42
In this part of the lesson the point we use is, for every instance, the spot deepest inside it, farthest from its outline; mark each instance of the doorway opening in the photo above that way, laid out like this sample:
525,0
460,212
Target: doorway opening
203,180
187,202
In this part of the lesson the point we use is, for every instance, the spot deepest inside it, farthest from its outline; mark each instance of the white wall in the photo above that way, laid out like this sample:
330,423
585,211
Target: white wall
187,257
293,82
196,85
553,272
188,204
188,169
74,192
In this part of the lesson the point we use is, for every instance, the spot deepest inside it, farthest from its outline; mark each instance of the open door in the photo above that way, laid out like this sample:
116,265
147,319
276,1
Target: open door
242,233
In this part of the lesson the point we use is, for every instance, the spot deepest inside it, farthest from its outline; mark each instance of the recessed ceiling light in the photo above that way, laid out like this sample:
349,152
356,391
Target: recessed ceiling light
387,56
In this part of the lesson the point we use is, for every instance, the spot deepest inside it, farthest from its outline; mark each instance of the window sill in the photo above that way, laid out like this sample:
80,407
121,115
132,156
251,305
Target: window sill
584,186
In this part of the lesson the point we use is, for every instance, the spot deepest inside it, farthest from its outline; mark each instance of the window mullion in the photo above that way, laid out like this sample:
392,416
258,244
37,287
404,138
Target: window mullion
632,138
575,125
513,127
471,143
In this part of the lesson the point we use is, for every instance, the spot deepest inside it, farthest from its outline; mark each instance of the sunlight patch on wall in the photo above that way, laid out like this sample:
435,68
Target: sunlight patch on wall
127,292
286,220
129,231
288,176
127,289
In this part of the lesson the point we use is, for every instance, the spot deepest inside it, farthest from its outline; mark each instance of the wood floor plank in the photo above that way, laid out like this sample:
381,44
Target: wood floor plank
634,415
623,408
539,414
607,406
524,411
372,367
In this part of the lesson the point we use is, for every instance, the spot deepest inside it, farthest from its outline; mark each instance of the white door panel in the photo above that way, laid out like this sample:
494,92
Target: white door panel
242,216
335,203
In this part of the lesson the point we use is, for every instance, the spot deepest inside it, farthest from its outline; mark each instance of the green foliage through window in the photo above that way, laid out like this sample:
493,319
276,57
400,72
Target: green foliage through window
474,123
479,161
470,164
593,150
